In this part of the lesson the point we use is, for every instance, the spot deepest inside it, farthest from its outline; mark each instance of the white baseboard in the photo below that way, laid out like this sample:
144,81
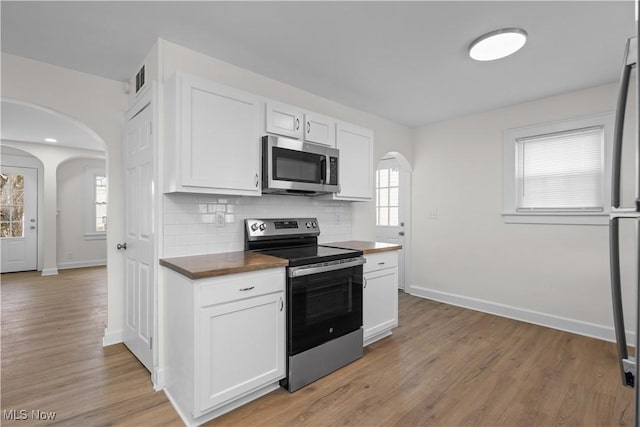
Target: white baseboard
158,378
112,337
82,264
49,271
579,327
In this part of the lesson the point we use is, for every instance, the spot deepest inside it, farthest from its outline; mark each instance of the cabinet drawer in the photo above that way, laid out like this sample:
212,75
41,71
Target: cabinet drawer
242,285
381,260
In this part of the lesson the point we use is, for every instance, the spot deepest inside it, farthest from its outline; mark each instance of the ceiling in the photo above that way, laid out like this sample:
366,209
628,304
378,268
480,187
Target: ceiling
31,124
405,61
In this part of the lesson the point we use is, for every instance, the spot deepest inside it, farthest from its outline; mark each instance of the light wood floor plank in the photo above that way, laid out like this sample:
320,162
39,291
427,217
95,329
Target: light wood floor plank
443,366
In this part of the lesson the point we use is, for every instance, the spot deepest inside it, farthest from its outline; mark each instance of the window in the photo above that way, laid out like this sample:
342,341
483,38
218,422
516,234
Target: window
387,196
95,204
557,172
100,201
11,205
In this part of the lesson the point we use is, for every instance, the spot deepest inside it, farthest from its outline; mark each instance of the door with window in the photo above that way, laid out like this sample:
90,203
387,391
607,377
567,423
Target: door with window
392,209
18,218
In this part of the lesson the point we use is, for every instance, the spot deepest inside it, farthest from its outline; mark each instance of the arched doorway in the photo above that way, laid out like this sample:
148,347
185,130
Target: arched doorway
53,139
393,208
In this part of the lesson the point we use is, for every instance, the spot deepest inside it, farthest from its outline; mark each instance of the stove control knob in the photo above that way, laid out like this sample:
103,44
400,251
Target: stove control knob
254,226
262,226
314,224
308,224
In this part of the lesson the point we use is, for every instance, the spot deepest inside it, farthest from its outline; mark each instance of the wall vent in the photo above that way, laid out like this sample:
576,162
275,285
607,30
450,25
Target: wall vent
140,79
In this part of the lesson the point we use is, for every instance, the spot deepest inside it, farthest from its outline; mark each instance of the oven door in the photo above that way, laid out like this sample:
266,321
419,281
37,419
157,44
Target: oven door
324,303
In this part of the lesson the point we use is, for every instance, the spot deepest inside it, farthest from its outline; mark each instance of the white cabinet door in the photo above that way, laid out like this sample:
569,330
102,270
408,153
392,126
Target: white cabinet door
355,169
241,347
213,138
380,302
319,129
283,119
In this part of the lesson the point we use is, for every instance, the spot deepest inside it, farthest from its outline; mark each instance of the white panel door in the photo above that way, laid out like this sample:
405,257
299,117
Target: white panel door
355,168
221,137
319,129
380,301
283,119
18,218
139,232
241,347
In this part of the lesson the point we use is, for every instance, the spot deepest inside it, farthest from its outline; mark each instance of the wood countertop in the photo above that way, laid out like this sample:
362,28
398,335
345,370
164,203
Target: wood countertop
201,266
364,246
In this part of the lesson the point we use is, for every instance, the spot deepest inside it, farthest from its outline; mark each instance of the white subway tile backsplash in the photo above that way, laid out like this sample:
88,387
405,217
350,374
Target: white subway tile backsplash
190,226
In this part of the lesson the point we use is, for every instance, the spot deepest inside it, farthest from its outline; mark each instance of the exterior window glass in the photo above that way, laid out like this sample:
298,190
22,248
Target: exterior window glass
560,171
100,196
11,205
387,196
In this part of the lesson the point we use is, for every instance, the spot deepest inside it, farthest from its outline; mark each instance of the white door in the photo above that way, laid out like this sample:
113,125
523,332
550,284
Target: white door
393,198
18,218
139,236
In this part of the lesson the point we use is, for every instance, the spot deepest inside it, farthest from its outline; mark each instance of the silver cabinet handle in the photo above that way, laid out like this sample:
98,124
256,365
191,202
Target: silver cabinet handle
381,263
281,304
257,180
297,123
247,289
365,282
308,127
121,246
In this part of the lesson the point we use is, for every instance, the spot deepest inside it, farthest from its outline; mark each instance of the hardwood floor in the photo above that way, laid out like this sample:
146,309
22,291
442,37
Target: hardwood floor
443,366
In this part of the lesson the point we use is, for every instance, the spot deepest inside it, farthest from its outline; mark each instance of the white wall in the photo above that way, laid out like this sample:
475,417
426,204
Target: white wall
74,250
99,105
551,274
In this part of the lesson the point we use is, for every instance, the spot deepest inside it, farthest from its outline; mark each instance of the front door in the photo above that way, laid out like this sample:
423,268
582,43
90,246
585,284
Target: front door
139,232
18,218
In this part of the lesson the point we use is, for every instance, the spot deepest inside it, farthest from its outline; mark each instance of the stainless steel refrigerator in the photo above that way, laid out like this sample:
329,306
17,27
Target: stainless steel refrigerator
624,220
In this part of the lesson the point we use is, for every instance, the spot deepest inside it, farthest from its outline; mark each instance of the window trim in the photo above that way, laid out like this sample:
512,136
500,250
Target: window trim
90,232
511,215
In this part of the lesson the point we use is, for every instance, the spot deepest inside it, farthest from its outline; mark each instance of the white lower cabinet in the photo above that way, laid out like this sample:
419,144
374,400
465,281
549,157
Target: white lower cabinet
225,341
380,295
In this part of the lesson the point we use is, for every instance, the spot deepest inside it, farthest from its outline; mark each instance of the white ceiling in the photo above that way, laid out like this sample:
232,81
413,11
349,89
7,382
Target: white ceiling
31,124
405,61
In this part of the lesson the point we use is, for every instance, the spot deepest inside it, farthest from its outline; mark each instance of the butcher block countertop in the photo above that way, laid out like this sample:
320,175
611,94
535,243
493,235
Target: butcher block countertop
201,266
365,247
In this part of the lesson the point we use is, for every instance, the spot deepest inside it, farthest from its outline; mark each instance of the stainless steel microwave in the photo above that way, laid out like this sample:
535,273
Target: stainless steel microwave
294,167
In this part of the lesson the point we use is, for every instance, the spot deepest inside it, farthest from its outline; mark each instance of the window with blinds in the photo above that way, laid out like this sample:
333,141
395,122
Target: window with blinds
560,171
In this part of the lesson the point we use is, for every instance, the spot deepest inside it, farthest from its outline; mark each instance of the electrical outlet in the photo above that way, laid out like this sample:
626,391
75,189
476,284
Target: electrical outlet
338,219
220,219
432,214
69,255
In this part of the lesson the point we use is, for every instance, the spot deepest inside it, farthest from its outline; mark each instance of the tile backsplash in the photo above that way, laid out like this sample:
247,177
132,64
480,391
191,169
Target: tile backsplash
197,224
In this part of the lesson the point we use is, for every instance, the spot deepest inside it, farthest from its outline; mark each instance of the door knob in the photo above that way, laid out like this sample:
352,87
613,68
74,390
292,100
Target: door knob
402,224
33,227
401,233
121,246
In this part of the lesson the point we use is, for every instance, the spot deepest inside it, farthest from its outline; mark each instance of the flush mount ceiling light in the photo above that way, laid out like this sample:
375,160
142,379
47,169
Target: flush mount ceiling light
50,140
497,44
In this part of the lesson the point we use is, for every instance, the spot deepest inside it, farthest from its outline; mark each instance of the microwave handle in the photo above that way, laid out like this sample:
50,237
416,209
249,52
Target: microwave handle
323,170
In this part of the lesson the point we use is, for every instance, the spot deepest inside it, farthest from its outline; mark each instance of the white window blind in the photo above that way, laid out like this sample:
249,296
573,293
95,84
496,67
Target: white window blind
561,171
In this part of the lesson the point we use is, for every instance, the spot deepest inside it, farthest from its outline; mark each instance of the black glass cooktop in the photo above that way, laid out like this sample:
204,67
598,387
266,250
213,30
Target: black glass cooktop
302,255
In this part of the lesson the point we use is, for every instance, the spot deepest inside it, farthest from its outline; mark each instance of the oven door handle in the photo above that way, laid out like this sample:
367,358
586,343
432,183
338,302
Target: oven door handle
315,269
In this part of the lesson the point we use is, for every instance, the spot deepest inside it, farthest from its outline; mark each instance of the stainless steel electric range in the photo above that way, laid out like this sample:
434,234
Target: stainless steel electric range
324,297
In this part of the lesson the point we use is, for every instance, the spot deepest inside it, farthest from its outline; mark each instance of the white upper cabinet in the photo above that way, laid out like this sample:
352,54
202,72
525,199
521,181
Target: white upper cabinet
283,119
212,137
355,167
319,129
